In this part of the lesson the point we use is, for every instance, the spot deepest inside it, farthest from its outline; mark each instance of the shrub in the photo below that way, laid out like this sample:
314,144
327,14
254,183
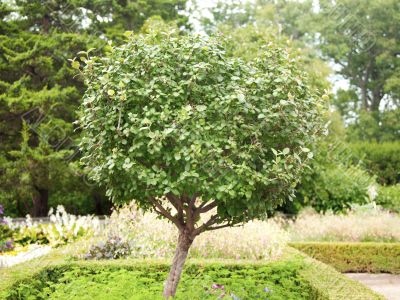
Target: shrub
335,188
294,277
27,235
389,197
327,283
114,247
63,228
277,281
333,182
179,126
380,159
355,257
6,233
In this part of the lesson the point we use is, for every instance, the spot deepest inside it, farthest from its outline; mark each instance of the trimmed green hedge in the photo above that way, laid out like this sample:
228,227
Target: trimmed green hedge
355,257
145,281
293,273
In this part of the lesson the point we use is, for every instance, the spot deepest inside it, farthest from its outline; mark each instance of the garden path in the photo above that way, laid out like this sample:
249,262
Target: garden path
387,285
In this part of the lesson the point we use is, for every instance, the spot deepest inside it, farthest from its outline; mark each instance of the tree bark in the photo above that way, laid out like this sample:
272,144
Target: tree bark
40,203
97,202
185,240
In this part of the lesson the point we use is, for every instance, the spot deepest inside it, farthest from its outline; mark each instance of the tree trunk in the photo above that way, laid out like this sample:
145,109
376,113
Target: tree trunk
184,242
40,203
97,202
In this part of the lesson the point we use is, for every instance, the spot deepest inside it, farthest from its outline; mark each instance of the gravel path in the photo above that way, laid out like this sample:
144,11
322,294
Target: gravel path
33,252
387,285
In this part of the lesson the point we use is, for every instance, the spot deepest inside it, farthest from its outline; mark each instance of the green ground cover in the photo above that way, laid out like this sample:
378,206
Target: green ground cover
138,281
355,257
294,276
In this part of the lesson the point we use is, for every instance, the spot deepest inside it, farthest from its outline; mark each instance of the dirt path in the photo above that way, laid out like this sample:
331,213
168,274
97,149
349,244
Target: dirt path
387,285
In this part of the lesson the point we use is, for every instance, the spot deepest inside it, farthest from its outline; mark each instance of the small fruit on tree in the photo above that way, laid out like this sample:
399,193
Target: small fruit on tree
185,130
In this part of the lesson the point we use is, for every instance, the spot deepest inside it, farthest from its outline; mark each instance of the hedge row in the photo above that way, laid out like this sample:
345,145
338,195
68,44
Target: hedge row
320,282
355,257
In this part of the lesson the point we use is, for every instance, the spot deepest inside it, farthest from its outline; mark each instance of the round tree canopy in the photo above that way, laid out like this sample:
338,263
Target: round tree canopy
177,116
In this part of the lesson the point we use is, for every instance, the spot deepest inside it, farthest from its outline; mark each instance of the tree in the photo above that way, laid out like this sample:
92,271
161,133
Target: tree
116,17
252,24
108,17
38,97
359,37
38,88
363,39
248,42
203,139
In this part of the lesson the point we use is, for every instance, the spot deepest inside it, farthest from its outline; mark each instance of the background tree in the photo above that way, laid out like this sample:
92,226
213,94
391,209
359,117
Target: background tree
362,38
184,129
347,35
253,24
113,18
38,87
359,38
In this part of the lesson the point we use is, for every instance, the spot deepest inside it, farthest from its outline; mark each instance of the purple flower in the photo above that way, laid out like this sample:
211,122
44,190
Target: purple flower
267,290
9,245
217,286
1,209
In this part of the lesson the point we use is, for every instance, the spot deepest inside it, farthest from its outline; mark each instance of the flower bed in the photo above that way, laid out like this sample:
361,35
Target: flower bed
362,224
27,240
24,254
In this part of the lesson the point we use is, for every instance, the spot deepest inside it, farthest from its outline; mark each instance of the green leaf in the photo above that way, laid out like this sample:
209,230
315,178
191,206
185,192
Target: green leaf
261,116
75,64
128,33
201,107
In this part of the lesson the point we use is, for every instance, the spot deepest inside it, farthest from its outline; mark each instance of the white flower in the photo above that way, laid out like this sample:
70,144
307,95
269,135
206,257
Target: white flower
372,192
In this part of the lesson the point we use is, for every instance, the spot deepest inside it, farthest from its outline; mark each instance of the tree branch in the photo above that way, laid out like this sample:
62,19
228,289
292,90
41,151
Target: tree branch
177,203
213,219
193,201
208,207
219,226
162,211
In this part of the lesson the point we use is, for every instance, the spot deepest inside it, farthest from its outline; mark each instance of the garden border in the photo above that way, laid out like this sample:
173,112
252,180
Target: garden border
359,257
325,282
